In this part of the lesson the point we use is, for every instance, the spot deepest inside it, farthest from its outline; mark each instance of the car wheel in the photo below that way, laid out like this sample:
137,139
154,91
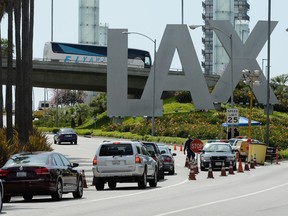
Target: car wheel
59,143
112,184
57,196
142,181
153,182
161,173
27,197
79,192
75,142
6,198
172,172
55,142
99,185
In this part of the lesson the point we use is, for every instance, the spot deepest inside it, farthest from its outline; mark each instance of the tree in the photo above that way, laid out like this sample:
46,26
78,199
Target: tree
9,103
68,97
3,52
279,85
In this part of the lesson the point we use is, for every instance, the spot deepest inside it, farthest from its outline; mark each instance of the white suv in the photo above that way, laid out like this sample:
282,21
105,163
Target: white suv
123,161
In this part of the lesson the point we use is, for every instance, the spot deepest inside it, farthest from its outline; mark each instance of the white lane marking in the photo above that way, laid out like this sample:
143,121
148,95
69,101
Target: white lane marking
220,201
126,195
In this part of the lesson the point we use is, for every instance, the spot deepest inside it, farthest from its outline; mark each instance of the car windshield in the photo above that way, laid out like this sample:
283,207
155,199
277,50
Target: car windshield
163,149
67,130
38,159
116,149
217,148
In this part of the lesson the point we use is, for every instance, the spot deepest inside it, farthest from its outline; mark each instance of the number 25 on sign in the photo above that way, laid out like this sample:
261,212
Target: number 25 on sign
232,116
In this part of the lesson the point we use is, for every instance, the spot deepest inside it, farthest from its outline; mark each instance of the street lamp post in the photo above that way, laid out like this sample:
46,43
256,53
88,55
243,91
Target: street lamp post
232,64
154,73
251,78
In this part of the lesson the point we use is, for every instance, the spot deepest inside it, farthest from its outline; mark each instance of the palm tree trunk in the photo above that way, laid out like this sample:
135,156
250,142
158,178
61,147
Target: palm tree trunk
27,38
1,83
19,81
9,103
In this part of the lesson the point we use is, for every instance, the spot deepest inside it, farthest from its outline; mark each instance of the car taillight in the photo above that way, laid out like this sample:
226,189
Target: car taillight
137,159
95,160
3,173
167,159
41,171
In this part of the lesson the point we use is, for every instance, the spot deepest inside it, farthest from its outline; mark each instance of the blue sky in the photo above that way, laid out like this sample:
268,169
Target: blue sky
150,17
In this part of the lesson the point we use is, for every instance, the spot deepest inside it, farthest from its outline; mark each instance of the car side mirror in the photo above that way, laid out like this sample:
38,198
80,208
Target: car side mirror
75,164
174,154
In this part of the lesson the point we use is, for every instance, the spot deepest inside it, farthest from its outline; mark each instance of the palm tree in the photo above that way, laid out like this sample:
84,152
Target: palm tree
279,85
19,82
9,103
2,11
27,45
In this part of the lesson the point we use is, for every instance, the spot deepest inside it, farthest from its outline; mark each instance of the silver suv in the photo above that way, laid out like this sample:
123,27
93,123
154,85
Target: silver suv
123,161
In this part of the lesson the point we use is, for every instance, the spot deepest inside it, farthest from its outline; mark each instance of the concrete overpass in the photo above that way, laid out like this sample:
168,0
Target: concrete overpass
89,77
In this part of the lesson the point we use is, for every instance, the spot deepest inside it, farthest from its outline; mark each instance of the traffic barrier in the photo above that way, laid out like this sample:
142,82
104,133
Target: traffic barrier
240,167
210,172
84,179
246,167
223,171
181,148
186,162
252,165
191,172
175,147
231,170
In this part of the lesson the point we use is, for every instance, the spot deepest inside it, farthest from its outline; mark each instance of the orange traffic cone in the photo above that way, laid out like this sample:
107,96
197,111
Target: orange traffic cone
210,172
175,147
186,162
231,170
181,148
223,171
84,179
240,168
192,173
246,167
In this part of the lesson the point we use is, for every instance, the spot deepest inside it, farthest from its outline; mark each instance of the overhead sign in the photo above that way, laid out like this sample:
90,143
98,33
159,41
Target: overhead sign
232,116
196,145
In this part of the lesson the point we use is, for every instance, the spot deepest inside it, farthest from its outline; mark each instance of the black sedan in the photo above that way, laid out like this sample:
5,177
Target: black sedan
65,135
168,158
40,173
217,154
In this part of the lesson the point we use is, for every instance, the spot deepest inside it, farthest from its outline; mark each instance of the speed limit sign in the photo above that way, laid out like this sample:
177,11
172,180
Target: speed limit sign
232,116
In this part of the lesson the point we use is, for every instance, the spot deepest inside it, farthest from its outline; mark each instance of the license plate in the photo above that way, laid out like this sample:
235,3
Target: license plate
68,135
116,162
218,163
21,174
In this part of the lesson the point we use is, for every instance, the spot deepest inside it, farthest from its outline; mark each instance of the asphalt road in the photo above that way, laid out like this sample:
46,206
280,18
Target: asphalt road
261,191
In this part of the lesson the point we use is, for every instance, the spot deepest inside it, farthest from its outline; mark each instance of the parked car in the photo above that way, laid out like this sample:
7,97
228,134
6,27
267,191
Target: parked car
65,135
1,195
217,153
40,173
168,158
123,161
156,155
241,145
